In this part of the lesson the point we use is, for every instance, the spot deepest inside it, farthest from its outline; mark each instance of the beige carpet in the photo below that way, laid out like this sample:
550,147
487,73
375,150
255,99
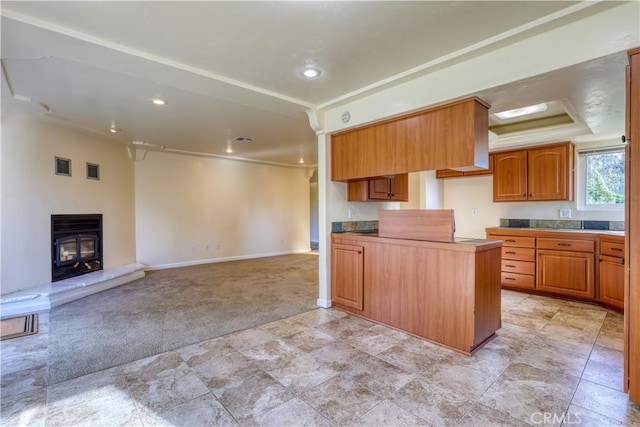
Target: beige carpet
169,309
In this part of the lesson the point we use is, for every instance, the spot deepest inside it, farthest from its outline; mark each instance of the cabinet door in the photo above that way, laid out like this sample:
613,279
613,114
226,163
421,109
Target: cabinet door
566,273
399,185
347,270
611,281
379,189
548,174
510,176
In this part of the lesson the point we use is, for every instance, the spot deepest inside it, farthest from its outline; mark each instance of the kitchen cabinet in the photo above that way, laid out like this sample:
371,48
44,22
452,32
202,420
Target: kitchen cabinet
611,270
392,188
450,173
450,135
563,263
566,267
347,275
535,174
447,293
518,256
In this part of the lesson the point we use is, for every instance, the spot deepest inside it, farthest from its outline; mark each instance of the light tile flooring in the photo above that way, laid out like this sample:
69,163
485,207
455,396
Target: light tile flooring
554,362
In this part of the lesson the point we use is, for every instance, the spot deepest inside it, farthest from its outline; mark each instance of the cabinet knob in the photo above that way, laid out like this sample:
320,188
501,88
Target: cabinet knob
622,261
624,139
524,195
530,194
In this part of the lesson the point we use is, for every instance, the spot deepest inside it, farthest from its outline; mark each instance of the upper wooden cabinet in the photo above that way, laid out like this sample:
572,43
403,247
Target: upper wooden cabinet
454,135
450,173
392,188
535,174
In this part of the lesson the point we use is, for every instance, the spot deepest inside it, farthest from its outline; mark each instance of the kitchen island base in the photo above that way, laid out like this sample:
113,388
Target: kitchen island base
445,293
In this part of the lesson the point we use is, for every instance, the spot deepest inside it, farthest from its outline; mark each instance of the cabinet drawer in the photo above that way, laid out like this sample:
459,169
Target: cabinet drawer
566,244
521,267
518,280
518,254
611,249
518,241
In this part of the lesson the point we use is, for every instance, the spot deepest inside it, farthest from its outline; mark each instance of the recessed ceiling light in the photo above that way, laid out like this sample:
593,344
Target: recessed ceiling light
523,111
310,72
159,101
301,161
113,128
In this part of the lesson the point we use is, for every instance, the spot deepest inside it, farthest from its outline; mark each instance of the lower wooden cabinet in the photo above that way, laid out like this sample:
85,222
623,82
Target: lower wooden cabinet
518,266
347,271
567,273
611,272
588,266
612,281
447,293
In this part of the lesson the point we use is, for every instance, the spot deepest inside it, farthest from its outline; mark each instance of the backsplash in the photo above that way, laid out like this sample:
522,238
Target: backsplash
340,227
562,223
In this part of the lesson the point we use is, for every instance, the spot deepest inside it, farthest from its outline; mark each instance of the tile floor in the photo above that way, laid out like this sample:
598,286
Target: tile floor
553,363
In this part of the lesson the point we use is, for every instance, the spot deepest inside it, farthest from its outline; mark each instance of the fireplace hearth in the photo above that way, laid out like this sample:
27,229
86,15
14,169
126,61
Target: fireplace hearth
76,245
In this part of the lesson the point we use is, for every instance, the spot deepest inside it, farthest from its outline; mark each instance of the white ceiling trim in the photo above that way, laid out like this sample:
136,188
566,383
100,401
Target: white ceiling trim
457,54
148,56
163,149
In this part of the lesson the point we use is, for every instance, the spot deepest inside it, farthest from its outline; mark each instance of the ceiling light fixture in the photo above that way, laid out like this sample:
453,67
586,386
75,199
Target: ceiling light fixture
113,128
310,72
301,161
229,149
523,111
159,101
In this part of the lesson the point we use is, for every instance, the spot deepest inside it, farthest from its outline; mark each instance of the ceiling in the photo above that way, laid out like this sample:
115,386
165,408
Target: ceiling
229,69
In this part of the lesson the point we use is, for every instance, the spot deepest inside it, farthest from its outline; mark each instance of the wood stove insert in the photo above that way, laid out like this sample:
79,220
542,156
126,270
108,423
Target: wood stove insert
76,245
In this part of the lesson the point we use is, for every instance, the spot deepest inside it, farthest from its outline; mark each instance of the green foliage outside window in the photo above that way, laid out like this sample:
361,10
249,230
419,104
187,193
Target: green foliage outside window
605,178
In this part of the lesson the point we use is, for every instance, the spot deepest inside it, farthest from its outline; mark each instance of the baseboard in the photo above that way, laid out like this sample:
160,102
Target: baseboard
224,259
324,303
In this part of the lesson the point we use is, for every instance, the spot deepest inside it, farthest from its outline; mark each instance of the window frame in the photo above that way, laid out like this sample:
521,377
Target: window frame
581,180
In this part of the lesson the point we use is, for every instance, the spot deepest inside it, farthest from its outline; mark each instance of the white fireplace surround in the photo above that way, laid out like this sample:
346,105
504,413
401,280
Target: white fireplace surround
43,298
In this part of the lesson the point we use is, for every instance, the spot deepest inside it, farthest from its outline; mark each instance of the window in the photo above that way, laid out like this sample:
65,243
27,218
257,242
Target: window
601,179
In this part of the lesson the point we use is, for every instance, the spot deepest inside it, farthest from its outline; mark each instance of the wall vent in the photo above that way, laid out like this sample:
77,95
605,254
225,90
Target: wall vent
242,139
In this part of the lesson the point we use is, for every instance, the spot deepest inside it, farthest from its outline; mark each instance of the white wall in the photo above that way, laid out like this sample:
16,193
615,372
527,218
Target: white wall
238,209
31,193
313,214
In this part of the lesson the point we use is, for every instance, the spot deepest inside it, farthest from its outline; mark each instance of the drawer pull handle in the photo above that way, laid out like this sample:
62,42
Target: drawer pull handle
509,278
616,249
510,253
510,266
622,261
564,244
510,240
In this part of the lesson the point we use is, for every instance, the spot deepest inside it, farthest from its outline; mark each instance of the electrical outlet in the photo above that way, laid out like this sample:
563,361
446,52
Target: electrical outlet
564,213
206,247
350,213
474,212
193,248
217,246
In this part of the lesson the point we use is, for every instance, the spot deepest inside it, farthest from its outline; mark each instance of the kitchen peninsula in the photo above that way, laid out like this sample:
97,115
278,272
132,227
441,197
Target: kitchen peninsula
445,292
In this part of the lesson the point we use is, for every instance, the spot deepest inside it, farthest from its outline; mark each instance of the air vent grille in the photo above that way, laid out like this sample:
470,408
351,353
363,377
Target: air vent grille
244,139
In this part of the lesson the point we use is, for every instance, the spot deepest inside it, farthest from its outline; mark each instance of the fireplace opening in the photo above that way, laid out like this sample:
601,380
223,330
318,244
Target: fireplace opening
76,245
